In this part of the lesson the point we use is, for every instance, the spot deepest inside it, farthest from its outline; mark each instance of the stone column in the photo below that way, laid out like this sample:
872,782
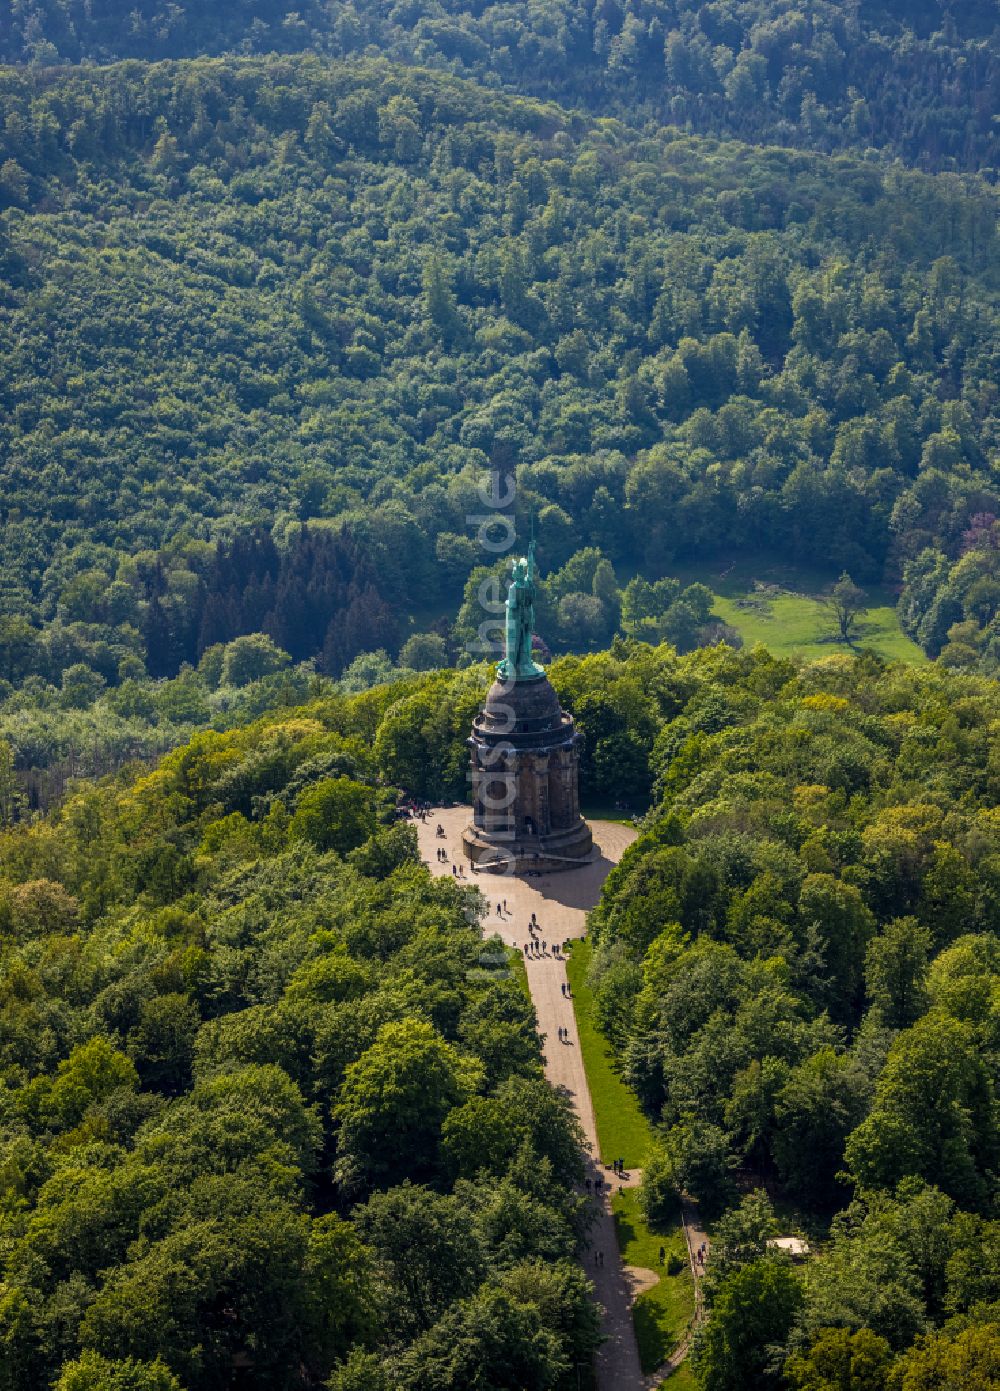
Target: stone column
574,780
543,818
477,805
494,781
557,790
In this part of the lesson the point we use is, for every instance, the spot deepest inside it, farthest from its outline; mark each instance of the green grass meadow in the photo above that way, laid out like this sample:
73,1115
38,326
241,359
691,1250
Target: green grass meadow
623,1132
782,607
682,1380
661,1314
604,811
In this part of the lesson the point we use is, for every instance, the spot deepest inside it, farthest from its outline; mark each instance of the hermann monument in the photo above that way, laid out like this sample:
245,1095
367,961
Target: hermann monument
525,758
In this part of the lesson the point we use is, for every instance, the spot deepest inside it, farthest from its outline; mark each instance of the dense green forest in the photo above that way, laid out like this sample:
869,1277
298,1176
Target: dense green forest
270,1102
797,962
696,282
920,79
266,323
947,604
271,1108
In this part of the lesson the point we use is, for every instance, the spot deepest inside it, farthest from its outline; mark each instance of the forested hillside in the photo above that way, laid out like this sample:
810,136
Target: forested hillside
271,1108
319,299
270,1103
798,965
918,79
950,602
715,283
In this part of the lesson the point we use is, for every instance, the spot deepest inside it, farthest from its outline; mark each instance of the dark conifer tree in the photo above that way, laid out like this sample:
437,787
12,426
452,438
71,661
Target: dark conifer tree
159,641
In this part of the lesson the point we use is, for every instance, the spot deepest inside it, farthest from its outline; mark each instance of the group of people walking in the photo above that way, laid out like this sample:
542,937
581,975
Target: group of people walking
458,870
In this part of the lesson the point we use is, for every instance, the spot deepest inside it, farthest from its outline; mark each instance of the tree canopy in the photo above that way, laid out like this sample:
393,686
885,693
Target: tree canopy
249,1042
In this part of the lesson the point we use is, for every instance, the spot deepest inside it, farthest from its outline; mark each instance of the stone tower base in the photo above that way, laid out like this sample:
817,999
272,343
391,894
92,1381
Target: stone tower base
525,756
531,854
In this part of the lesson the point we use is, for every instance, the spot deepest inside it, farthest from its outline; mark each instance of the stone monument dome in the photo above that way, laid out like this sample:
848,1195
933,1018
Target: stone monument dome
525,754
533,704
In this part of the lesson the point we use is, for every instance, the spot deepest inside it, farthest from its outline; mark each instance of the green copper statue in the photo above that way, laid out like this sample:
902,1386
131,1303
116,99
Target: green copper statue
517,665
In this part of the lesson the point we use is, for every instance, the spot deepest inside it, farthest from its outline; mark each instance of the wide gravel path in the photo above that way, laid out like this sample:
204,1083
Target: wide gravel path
560,903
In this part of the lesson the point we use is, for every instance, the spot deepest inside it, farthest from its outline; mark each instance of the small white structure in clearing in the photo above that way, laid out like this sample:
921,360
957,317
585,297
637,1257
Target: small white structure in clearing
792,1246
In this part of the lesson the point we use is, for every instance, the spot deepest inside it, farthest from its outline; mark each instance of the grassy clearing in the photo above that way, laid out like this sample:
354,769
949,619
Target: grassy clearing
682,1380
661,1314
781,606
623,1132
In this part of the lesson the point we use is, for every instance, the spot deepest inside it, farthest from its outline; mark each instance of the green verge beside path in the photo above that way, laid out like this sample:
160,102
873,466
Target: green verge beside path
682,1380
662,1314
623,1132
517,965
